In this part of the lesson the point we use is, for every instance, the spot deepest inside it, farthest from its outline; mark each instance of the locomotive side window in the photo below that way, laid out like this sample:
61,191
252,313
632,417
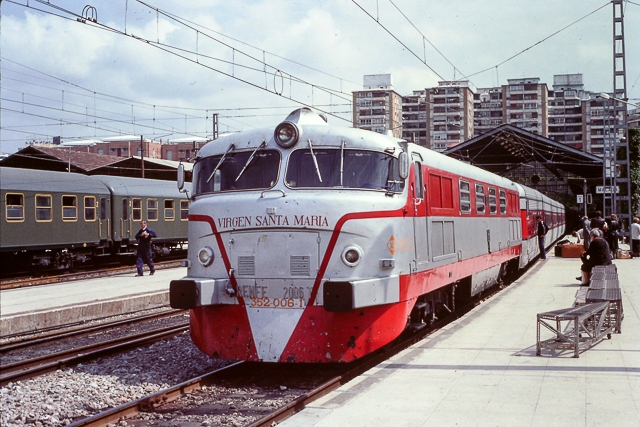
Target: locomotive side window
69,208
338,168
244,170
465,197
89,208
480,208
419,185
43,208
152,209
15,207
493,207
184,210
136,209
169,210
503,202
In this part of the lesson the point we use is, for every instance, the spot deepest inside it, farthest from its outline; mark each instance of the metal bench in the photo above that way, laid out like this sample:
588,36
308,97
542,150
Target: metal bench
576,328
614,297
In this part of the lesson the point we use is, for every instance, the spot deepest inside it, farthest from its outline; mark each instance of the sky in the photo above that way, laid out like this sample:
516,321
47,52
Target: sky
157,69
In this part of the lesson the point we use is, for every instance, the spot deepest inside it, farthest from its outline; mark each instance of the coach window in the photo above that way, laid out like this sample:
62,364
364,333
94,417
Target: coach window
169,210
15,207
503,202
480,199
69,208
465,197
493,208
43,208
184,210
136,209
152,209
89,208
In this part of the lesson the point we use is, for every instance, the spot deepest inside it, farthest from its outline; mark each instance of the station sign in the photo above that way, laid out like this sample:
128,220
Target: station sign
606,189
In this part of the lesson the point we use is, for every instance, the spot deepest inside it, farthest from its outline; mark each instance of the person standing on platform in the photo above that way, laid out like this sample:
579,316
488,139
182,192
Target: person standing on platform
541,232
597,221
586,229
635,237
612,234
144,237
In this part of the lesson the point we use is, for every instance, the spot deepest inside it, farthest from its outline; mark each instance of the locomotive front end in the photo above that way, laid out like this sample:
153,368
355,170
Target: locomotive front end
295,243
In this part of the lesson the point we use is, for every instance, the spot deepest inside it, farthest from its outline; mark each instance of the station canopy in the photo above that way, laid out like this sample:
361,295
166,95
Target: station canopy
507,148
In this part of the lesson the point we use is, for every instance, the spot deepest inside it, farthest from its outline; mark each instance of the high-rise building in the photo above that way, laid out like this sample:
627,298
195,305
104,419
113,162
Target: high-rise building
488,110
377,107
414,118
525,105
449,114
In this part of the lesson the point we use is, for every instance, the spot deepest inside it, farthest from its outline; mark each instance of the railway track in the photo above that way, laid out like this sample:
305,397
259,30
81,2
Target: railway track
34,366
238,375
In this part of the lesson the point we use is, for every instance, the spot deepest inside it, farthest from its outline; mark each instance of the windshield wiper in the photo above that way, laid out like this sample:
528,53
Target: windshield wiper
264,143
224,156
315,161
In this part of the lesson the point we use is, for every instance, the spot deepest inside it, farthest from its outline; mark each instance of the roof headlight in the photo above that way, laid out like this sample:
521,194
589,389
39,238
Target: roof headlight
351,255
287,134
206,256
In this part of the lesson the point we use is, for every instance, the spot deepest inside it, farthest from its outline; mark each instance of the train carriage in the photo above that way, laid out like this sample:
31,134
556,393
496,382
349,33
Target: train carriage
314,243
47,214
58,220
157,201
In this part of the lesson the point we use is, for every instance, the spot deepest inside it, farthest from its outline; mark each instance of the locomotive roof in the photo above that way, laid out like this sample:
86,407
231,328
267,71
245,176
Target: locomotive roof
320,134
18,179
125,186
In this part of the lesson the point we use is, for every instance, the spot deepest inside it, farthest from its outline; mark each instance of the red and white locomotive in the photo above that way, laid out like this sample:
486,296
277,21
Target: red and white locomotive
316,243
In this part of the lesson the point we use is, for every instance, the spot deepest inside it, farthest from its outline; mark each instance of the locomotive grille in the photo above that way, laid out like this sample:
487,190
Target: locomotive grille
246,265
300,265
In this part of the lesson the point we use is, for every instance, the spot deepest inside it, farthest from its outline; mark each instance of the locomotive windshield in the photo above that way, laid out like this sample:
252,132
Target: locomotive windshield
244,170
339,168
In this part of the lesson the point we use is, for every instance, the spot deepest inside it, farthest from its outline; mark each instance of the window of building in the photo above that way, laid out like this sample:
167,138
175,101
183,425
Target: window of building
465,196
184,210
169,210
493,208
152,209
136,209
43,208
89,208
480,199
69,208
503,202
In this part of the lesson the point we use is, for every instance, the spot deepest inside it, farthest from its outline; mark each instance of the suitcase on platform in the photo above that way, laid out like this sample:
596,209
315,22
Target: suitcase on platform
572,250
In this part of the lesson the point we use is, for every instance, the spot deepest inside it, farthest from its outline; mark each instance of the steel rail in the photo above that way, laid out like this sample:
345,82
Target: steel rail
149,402
81,330
49,363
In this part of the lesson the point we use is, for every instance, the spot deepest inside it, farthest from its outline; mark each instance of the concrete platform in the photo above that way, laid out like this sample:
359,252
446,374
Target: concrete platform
39,307
482,370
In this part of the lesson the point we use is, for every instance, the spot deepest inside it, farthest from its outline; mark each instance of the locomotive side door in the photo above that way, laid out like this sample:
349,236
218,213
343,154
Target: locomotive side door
419,216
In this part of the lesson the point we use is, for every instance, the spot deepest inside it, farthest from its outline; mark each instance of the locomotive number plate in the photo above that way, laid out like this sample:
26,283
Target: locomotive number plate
283,297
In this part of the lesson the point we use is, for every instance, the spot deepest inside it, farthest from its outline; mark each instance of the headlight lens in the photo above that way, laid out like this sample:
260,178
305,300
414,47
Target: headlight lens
286,134
205,256
352,256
